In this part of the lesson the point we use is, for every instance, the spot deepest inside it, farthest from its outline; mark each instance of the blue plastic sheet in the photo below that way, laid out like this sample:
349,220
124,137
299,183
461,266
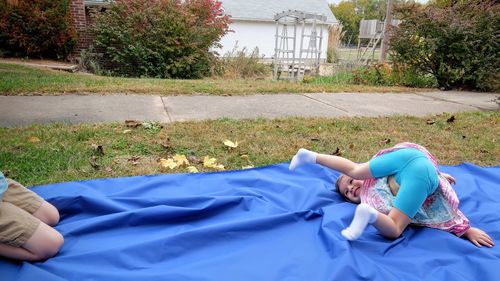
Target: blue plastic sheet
260,224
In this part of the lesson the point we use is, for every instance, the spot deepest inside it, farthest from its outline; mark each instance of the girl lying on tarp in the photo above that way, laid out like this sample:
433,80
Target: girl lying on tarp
26,222
398,186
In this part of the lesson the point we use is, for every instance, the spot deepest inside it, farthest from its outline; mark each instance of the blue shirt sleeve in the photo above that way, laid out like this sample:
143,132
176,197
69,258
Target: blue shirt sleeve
3,185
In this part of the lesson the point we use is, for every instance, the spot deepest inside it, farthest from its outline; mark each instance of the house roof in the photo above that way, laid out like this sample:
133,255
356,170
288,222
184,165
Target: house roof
264,10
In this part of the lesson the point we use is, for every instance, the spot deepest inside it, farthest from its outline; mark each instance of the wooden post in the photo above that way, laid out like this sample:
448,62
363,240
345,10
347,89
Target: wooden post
388,21
276,53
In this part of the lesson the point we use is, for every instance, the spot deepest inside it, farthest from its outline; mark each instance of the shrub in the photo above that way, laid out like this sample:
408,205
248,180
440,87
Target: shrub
410,78
40,28
161,38
239,63
89,61
396,75
457,43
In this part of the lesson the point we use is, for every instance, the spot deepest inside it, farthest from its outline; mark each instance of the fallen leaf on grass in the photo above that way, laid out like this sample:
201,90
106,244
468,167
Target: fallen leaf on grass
132,123
351,146
337,152
430,121
209,162
109,169
134,160
231,144
127,131
244,157
247,167
212,163
33,139
192,169
219,167
168,163
166,144
385,141
98,149
193,159
180,160
93,162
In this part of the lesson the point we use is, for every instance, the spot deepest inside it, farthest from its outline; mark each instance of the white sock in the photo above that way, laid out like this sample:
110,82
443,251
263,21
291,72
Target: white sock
303,156
362,217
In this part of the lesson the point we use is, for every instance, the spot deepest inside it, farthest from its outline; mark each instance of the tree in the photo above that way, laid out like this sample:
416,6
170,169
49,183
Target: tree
345,14
161,38
458,44
37,28
350,13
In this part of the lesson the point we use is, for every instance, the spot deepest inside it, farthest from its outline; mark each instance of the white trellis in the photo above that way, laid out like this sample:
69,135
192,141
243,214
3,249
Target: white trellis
290,63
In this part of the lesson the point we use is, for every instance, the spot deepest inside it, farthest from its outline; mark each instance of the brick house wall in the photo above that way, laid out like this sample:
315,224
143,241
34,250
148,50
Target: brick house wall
77,10
83,20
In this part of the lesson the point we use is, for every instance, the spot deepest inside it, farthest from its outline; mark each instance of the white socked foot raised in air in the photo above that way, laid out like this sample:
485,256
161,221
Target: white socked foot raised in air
362,217
302,157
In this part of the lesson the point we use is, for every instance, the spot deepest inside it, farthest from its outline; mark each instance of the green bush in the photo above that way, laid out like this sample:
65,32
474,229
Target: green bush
162,38
41,28
458,43
410,78
386,75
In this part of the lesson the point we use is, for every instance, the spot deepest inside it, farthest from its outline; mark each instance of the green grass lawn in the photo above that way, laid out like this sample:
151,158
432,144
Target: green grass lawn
48,154
23,80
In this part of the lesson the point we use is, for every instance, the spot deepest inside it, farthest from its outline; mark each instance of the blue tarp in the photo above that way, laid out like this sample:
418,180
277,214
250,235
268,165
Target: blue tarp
259,224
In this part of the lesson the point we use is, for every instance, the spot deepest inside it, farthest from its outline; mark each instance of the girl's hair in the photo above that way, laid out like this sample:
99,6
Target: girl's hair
337,183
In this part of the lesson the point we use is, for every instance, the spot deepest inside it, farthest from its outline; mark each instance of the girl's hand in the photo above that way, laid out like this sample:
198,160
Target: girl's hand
478,237
449,178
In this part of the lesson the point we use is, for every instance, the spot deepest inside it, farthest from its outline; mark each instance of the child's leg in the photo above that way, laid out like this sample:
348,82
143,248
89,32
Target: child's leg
25,220
390,226
362,217
29,201
47,213
43,244
25,237
341,164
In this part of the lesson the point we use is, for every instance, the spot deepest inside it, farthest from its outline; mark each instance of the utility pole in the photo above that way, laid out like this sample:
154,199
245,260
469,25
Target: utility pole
388,22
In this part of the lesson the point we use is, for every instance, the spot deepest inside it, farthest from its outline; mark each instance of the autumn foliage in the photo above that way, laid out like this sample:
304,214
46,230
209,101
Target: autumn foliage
457,43
161,38
41,28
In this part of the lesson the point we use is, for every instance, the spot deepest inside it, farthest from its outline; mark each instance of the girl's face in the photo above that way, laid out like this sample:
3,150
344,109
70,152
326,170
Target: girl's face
350,189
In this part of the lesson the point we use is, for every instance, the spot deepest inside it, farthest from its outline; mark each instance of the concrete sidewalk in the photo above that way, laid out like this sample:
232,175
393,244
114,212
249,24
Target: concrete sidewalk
26,110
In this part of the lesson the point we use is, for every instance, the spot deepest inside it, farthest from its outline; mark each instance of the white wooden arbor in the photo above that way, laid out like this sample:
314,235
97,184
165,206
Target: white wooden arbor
290,63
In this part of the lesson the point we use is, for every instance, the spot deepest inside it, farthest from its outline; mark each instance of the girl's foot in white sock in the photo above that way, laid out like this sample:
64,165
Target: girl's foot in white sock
362,217
302,157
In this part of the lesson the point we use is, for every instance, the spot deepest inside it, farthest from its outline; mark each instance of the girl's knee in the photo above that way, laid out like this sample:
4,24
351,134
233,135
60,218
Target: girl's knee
56,244
45,242
48,214
51,247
